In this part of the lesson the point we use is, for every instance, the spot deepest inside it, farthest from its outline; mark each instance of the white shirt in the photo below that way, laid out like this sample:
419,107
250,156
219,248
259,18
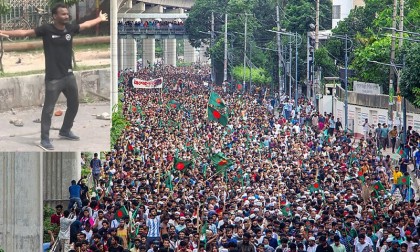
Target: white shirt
65,227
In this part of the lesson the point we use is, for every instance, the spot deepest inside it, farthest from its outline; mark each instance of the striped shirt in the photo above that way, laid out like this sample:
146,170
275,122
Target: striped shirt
154,227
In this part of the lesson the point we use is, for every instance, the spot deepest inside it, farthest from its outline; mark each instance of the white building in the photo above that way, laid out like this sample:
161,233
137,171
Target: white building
341,9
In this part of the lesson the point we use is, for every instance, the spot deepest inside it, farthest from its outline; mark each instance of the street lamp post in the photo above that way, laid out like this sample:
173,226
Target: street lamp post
346,59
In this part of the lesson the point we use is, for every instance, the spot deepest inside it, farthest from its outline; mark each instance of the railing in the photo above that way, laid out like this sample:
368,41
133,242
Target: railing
366,100
152,30
25,8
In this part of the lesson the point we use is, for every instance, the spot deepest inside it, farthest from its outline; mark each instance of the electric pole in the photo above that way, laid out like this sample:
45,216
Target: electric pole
226,52
317,26
246,28
279,48
391,69
401,27
211,46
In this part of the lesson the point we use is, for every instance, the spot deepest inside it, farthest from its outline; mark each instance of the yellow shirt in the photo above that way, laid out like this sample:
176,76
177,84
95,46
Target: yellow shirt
396,175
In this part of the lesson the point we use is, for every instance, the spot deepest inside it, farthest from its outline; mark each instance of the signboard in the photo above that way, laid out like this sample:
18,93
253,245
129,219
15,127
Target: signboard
366,88
155,83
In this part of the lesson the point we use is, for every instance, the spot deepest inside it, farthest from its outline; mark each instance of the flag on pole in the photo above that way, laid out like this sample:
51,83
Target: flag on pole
314,187
404,180
361,176
221,162
121,213
182,165
217,116
285,210
216,101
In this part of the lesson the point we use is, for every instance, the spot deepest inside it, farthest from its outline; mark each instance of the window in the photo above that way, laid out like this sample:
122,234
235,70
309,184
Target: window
336,11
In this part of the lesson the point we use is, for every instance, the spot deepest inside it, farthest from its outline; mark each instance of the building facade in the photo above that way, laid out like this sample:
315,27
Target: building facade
341,9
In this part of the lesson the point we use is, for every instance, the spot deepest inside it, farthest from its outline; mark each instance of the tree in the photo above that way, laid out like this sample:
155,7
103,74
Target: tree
4,9
370,72
410,75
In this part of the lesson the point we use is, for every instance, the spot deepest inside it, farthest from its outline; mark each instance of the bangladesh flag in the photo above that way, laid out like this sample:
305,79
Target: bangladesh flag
217,116
286,210
361,176
121,213
221,162
377,187
174,104
216,101
239,86
400,151
314,187
181,165
404,180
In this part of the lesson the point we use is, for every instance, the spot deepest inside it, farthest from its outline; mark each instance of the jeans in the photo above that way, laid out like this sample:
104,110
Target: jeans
74,200
395,187
393,141
150,240
53,88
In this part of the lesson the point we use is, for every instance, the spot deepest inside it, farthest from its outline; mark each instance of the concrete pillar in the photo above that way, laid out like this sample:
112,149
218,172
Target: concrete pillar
120,54
148,52
21,207
59,169
170,52
130,54
154,9
189,52
138,7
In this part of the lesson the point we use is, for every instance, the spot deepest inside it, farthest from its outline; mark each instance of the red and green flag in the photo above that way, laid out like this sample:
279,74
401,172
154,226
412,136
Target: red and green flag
361,176
221,162
285,210
400,151
404,180
377,187
121,213
216,101
172,104
314,187
182,165
217,116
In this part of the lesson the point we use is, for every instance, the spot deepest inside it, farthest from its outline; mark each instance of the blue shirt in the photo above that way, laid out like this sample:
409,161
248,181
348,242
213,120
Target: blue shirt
75,191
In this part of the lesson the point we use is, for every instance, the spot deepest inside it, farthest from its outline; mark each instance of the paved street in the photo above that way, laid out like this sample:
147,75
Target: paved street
94,133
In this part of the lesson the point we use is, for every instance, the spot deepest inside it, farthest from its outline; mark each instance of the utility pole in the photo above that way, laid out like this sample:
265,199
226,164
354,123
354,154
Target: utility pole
279,48
226,51
317,26
246,28
346,103
296,71
401,25
290,68
391,69
315,79
250,67
211,46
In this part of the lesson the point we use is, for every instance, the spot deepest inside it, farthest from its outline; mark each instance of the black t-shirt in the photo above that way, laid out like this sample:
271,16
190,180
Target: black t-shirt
57,49
116,249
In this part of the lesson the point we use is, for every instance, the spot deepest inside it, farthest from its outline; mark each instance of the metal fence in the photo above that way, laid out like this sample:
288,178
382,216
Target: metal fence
26,9
373,101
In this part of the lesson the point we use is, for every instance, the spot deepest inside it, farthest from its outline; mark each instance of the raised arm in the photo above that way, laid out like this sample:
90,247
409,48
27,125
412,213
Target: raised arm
18,33
90,23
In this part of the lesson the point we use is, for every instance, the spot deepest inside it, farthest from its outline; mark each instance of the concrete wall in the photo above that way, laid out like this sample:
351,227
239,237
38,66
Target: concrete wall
59,169
359,113
21,210
26,91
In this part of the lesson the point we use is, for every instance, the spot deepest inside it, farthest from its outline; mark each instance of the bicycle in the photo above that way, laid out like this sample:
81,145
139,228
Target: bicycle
22,23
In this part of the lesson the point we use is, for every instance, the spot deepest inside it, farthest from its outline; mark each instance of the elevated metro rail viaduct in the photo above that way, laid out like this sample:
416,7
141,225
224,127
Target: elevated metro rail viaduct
148,10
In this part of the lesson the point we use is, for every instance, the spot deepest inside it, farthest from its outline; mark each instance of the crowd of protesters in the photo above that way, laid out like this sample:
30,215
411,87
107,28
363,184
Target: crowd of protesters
298,182
152,24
